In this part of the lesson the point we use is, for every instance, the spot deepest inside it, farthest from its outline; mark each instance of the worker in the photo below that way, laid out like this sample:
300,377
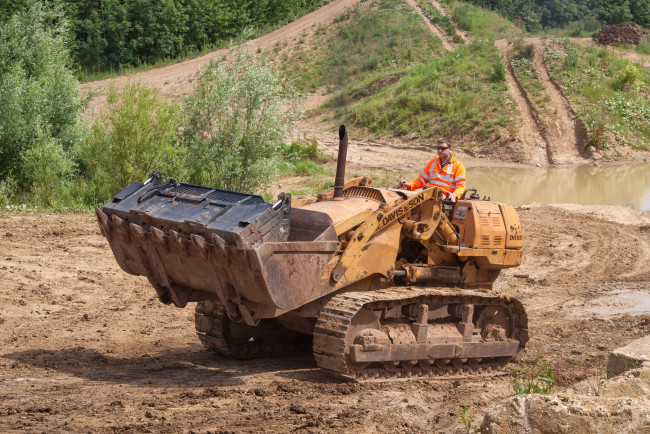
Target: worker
444,171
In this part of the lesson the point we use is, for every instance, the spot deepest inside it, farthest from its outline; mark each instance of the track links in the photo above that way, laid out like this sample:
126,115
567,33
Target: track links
214,330
336,316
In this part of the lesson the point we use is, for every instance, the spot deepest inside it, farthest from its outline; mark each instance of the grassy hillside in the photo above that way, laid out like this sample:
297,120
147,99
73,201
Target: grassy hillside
374,38
610,94
480,22
461,95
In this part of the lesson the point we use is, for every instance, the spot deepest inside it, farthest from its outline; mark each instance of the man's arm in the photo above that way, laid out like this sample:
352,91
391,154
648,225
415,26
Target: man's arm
460,180
421,180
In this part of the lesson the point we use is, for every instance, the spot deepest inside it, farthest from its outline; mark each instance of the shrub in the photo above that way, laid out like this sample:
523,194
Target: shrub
48,166
38,94
138,135
498,72
535,379
628,78
237,114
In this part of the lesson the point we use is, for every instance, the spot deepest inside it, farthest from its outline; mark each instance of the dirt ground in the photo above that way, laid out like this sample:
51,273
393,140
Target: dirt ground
87,347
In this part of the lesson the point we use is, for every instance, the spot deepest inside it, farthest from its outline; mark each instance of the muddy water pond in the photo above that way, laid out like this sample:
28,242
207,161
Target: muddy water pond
623,185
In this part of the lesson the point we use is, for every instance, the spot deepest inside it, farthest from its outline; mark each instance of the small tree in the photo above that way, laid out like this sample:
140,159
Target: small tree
38,93
237,115
139,134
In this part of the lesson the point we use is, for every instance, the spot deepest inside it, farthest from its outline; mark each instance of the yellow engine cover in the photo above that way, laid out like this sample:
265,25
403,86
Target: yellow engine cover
514,231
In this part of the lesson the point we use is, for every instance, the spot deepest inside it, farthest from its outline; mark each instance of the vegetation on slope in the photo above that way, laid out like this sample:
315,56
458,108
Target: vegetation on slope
610,94
481,23
384,35
226,133
111,35
535,14
462,95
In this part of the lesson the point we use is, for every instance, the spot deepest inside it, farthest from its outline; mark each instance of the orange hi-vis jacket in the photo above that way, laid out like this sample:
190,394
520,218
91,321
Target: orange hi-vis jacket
450,177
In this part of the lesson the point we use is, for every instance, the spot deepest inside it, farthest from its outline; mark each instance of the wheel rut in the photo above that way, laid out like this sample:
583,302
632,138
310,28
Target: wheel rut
447,43
529,131
565,137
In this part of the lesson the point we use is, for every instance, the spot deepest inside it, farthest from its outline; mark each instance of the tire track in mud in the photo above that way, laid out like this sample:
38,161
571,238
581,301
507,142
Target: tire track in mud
447,43
566,264
460,31
565,134
528,133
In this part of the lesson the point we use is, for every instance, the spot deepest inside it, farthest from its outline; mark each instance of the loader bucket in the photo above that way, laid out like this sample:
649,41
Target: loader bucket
195,243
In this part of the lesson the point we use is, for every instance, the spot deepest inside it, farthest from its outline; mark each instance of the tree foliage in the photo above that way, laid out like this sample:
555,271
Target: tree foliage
557,13
139,134
38,94
237,116
116,33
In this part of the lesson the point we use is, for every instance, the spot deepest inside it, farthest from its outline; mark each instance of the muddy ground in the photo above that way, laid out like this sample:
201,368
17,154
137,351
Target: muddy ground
86,347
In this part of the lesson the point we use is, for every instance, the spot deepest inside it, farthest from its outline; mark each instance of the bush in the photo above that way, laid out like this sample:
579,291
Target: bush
38,94
48,165
138,135
237,115
498,72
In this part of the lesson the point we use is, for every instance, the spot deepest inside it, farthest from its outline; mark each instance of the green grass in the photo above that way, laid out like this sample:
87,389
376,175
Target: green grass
523,65
644,45
300,159
577,29
481,23
458,95
611,95
385,35
442,21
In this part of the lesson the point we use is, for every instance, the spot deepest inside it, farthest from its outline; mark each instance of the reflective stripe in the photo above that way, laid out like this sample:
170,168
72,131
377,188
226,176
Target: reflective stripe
443,176
450,177
440,184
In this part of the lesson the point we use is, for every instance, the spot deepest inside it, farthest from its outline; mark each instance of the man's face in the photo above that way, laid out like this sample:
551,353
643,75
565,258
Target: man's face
444,151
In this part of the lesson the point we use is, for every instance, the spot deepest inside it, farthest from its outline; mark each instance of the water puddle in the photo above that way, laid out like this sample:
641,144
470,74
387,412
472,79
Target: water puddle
622,185
616,303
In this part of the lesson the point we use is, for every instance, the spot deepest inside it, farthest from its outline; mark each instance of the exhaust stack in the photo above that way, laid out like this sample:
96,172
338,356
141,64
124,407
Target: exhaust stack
339,181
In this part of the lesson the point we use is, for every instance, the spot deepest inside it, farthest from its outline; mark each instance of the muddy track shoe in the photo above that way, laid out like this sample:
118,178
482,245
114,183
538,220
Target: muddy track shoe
427,332
240,341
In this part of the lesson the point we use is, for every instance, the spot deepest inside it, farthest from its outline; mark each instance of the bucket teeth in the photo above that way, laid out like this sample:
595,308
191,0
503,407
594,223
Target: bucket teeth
201,244
103,221
178,240
219,242
122,227
138,231
160,237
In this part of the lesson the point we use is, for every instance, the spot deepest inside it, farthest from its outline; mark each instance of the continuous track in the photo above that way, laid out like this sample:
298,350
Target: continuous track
239,341
334,324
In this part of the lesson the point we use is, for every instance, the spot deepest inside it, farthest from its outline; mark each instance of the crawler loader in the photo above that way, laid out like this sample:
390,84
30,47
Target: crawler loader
379,283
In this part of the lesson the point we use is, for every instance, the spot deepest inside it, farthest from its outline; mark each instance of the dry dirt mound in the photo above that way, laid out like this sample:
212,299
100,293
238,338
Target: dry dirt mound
620,34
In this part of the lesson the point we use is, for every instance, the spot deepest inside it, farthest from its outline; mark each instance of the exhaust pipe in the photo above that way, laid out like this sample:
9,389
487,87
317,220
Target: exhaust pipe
339,181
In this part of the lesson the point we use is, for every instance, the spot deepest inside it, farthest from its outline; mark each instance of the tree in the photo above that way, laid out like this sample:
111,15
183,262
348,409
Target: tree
237,115
38,93
138,135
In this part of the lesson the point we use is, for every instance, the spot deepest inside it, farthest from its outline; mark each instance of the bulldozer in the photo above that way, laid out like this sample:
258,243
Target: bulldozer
379,283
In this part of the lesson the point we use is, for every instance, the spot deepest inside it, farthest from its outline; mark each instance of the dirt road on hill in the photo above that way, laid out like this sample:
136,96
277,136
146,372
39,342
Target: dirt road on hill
86,347
176,80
